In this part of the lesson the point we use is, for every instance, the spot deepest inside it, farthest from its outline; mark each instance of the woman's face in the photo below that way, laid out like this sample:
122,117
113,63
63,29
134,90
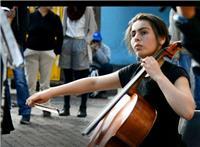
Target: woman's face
144,41
46,9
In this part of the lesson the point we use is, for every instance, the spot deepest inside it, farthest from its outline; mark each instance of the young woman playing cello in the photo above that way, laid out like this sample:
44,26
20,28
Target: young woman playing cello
167,88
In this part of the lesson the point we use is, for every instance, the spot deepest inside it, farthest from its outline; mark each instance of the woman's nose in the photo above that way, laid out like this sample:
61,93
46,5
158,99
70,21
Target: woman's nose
137,37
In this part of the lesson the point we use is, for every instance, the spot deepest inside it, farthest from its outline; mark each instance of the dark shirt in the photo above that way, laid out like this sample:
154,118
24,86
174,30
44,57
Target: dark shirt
45,33
19,25
165,130
191,33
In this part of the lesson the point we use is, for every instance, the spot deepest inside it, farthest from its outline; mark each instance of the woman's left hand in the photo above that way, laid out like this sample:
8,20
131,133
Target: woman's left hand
152,67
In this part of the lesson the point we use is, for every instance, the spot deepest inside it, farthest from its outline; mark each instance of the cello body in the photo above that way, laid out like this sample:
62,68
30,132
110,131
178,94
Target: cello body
127,124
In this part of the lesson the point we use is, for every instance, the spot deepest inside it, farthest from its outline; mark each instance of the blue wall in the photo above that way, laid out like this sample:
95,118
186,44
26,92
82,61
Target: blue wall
114,21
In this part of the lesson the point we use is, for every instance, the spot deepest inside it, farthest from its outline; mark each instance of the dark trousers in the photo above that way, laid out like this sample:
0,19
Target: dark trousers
6,123
105,69
71,75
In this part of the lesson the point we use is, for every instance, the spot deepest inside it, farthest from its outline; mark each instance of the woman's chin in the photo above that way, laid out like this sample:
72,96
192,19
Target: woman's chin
140,55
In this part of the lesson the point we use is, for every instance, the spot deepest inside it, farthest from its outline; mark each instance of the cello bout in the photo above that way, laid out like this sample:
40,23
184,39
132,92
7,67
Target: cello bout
127,124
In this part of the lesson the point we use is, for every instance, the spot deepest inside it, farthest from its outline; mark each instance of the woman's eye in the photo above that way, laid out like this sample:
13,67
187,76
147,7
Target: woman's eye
132,34
143,32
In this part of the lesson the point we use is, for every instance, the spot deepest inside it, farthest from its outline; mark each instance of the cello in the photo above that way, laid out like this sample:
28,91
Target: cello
128,118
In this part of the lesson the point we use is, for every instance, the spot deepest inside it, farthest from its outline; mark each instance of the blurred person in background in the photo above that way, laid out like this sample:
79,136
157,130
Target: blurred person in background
78,26
44,42
187,20
101,55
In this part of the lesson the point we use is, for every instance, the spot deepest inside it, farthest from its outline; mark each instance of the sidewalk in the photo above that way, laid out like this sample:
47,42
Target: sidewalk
56,131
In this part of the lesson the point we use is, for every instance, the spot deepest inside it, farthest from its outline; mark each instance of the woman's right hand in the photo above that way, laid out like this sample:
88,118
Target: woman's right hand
39,97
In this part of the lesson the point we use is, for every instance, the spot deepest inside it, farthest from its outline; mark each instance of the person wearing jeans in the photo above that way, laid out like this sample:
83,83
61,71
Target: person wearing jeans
22,94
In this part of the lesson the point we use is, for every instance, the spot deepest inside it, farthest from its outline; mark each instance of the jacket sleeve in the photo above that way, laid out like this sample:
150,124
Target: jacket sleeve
59,36
102,55
92,23
64,20
173,30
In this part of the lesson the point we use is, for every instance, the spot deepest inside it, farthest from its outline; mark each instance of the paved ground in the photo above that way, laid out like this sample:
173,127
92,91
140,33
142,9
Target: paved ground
56,131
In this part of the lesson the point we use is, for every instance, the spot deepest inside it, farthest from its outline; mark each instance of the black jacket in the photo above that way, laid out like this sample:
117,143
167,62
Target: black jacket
45,33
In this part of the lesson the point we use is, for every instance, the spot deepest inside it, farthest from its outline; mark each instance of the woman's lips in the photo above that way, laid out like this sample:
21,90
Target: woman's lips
138,47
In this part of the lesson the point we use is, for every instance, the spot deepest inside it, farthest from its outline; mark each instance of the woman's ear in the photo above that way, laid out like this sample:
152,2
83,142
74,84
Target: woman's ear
162,40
